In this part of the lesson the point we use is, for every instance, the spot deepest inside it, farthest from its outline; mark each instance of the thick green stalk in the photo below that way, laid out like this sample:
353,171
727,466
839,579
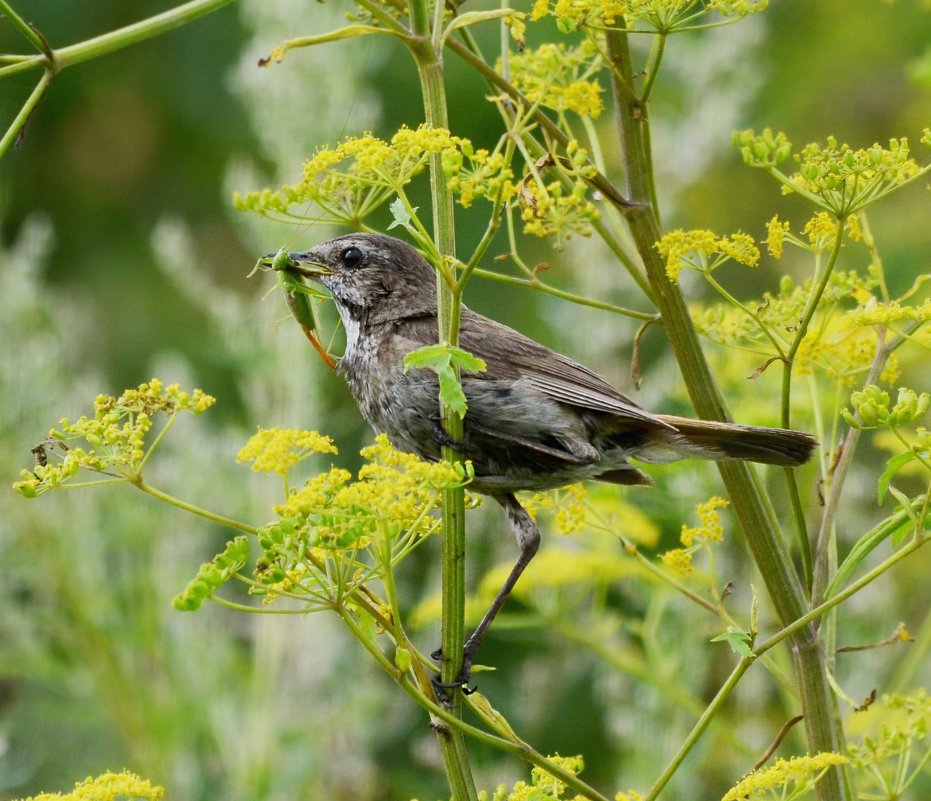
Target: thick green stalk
750,503
120,38
452,635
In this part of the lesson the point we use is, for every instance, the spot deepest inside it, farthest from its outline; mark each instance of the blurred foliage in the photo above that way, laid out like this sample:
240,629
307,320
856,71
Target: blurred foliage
122,258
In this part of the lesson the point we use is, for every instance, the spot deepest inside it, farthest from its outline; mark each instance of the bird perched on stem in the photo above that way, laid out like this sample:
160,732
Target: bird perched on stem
536,419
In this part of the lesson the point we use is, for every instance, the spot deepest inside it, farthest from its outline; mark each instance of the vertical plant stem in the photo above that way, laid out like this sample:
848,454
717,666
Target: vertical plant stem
750,503
452,636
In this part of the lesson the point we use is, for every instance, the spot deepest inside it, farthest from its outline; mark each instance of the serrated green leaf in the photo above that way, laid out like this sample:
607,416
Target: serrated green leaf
400,214
428,356
466,361
739,641
893,466
451,394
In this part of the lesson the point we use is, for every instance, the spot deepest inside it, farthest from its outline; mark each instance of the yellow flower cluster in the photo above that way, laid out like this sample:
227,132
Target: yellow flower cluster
553,209
542,787
559,77
678,561
895,725
361,173
848,179
704,251
115,435
472,173
394,490
839,348
776,232
835,176
107,787
890,313
659,14
798,773
277,450
710,529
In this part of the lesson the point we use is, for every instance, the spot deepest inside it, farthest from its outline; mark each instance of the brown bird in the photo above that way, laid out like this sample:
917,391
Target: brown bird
536,419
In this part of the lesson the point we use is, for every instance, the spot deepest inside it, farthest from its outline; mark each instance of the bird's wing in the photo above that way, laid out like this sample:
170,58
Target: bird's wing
510,355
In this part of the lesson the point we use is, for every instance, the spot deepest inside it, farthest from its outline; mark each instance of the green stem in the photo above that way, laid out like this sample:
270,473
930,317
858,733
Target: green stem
32,102
750,503
452,635
135,33
24,27
842,595
699,728
821,574
532,283
196,510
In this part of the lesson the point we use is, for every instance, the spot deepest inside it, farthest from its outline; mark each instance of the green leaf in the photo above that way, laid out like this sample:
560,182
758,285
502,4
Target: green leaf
427,356
475,17
893,466
739,640
444,359
466,361
451,394
401,215
899,534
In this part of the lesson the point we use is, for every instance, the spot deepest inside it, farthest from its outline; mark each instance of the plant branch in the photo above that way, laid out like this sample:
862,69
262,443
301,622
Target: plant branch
750,503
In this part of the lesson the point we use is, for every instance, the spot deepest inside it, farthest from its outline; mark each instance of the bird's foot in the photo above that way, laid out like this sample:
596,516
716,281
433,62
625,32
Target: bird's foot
441,438
443,689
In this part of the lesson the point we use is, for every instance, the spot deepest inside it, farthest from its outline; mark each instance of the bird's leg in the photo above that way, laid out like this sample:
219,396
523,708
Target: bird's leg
528,540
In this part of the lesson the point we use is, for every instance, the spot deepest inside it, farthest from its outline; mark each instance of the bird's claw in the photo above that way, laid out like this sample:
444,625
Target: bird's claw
443,688
441,438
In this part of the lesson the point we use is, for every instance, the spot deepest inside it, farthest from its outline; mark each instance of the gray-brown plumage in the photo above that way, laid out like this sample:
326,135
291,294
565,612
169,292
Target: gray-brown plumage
535,420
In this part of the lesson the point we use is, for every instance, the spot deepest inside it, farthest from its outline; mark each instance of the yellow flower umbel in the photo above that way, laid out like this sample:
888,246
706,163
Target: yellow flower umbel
704,251
351,180
560,77
559,209
661,15
112,443
693,538
836,177
348,521
787,779
277,450
122,786
542,787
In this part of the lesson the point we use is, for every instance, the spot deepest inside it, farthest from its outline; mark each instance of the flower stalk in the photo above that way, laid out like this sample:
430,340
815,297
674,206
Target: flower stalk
750,502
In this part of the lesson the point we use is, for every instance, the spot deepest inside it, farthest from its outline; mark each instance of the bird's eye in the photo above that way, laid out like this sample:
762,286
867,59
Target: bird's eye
351,257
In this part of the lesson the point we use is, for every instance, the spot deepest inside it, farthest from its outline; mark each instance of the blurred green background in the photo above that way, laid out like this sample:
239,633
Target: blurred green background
121,258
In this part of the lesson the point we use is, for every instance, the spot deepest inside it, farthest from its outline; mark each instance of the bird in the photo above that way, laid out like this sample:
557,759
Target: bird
535,419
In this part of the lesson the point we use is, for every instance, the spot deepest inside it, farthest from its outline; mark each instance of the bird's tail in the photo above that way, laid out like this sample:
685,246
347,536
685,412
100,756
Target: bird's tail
707,439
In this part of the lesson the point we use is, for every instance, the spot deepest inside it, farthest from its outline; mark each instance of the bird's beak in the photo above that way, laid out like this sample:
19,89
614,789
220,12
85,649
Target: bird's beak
302,264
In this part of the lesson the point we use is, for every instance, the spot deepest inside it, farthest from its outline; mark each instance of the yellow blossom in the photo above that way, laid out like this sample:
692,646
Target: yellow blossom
797,773
678,561
277,450
821,230
115,436
776,232
122,786
710,528
542,787
702,250
571,512
891,313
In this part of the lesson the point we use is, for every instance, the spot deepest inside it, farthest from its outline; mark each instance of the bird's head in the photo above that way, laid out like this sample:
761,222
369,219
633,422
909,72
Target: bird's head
371,276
